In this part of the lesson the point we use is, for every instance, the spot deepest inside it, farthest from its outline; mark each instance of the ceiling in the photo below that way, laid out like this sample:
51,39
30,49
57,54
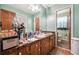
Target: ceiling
31,8
34,8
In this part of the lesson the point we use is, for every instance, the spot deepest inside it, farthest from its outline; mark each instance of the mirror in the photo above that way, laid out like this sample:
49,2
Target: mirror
63,28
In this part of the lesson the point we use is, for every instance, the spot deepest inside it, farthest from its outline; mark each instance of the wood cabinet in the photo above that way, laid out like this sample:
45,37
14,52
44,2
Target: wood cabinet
45,46
40,47
12,51
6,18
24,50
52,39
35,48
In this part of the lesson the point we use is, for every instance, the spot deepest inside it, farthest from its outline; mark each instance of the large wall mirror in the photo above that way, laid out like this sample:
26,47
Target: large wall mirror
64,28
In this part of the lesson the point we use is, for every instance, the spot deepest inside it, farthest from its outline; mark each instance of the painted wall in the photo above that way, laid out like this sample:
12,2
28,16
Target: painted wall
76,20
20,12
51,20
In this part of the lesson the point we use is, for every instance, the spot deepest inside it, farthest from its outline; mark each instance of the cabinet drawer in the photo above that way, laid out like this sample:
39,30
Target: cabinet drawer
35,48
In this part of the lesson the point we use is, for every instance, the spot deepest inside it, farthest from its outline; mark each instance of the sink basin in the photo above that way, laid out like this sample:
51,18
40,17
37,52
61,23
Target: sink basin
42,35
23,41
32,39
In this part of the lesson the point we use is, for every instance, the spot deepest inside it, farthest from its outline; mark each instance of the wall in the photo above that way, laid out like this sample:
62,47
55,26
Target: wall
20,12
51,20
76,20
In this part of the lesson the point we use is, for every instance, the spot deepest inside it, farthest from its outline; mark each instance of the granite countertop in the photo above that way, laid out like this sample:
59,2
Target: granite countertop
36,38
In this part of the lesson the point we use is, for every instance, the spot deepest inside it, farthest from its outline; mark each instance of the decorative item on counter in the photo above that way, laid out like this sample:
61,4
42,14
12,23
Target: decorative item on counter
37,32
23,41
15,34
26,36
30,35
20,29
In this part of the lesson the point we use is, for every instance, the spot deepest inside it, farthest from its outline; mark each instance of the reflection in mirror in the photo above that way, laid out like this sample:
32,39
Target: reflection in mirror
20,24
63,30
62,23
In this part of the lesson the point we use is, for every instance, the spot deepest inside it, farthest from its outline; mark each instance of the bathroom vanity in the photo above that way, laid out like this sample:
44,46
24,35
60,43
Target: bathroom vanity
39,45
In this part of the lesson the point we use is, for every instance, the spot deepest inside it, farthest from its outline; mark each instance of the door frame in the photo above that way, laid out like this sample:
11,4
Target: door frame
69,26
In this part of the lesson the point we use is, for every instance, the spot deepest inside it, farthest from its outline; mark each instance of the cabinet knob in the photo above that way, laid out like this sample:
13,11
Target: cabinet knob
51,37
36,45
39,49
20,53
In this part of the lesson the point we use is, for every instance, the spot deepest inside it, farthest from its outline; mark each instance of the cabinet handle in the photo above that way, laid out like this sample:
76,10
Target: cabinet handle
39,49
51,37
36,45
20,53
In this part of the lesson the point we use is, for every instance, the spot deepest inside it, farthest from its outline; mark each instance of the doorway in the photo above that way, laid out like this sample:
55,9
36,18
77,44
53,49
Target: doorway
64,28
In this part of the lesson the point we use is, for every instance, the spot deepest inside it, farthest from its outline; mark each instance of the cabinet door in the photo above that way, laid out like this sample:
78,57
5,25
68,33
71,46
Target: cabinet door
23,50
35,48
12,51
52,42
45,46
